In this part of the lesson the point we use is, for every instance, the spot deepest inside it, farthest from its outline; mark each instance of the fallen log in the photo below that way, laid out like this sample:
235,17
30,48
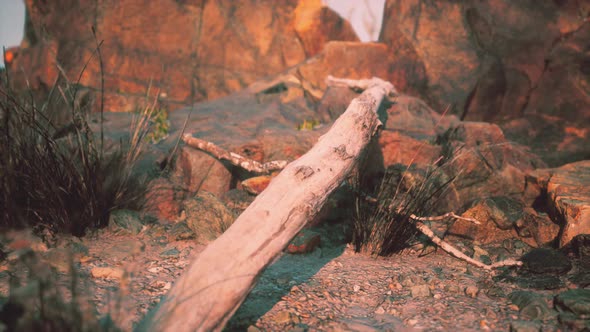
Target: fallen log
215,284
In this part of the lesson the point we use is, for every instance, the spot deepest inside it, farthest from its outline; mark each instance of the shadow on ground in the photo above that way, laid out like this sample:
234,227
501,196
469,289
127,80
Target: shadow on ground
290,270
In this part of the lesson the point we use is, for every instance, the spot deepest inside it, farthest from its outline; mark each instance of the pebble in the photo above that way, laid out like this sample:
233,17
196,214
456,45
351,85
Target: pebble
525,326
420,291
107,272
576,301
170,253
155,269
471,291
531,305
283,317
253,328
453,289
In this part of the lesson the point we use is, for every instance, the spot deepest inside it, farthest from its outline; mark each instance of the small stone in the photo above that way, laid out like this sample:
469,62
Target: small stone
525,326
305,242
173,252
513,307
283,317
155,269
471,291
356,288
531,305
581,245
379,310
181,232
125,220
253,328
573,322
257,184
420,291
107,272
453,289
283,281
496,292
576,301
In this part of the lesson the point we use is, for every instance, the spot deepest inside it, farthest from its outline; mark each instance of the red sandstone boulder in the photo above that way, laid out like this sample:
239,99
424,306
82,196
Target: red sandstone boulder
184,51
483,163
163,200
568,197
521,64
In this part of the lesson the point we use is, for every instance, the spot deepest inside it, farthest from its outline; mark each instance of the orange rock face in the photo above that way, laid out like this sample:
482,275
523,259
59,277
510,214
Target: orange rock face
568,197
502,61
185,50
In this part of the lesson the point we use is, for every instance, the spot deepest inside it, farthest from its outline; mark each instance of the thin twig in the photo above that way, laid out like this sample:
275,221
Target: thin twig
444,216
234,158
457,253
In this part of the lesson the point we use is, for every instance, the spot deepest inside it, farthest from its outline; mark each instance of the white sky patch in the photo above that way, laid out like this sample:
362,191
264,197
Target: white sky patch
365,16
12,24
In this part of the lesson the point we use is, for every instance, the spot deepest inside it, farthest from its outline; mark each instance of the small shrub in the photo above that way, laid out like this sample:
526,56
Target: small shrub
308,124
382,224
55,173
159,125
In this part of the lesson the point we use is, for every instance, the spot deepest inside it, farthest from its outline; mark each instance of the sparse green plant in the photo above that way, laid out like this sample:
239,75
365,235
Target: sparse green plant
308,124
159,125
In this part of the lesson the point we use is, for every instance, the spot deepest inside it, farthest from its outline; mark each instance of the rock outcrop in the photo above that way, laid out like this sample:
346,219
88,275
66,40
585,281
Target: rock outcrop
185,51
567,197
521,64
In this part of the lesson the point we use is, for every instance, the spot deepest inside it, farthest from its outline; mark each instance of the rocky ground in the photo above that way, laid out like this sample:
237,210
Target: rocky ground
331,288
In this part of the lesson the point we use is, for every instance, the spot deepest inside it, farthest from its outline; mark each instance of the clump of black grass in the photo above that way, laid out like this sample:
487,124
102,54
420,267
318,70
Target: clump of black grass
57,175
383,223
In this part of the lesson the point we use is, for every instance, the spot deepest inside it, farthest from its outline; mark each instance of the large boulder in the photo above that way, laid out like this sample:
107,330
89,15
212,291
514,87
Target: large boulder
184,51
522,64
486,175
567,197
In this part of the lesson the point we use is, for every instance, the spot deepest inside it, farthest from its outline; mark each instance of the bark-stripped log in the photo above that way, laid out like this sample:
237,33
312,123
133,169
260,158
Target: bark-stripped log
215,284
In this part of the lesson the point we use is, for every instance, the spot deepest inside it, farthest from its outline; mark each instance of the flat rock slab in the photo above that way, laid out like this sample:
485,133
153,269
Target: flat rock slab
546,260
568,197
576,301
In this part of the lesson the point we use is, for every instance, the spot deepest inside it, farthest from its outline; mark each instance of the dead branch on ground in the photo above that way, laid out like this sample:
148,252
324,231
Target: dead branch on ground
215,284
234,158
452,250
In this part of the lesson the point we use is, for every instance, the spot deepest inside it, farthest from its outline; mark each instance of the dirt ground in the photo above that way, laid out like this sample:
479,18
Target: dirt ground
330,289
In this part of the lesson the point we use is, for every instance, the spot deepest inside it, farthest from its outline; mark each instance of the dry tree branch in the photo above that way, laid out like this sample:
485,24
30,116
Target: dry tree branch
456,252
234,158
444,216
